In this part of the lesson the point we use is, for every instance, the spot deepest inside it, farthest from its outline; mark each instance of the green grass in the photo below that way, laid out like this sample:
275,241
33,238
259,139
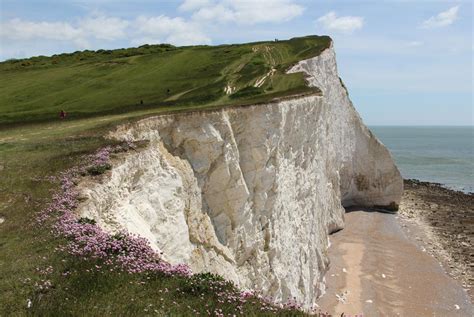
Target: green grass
100,90
87,84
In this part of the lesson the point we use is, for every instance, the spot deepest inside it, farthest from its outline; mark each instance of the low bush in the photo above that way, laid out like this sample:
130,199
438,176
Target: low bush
247,92
98,169
85,220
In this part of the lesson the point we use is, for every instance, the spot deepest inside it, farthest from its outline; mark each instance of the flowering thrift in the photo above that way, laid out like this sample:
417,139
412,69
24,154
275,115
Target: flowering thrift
123,251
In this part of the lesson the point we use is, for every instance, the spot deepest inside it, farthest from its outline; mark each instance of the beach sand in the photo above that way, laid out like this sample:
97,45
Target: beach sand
399,264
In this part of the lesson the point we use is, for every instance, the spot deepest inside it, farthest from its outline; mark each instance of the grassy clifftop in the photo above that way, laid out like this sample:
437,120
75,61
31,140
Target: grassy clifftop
91,83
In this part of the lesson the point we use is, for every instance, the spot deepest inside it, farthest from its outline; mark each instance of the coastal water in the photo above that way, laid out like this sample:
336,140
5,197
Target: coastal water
435,154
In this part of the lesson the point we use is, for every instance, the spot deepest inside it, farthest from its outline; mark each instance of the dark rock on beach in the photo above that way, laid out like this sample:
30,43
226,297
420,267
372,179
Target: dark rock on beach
447,217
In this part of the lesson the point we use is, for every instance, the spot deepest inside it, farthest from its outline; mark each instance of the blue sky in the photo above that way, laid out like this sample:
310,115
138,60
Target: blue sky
404,62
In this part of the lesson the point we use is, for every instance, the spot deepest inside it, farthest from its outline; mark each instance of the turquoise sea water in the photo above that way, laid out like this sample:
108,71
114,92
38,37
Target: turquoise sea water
435,154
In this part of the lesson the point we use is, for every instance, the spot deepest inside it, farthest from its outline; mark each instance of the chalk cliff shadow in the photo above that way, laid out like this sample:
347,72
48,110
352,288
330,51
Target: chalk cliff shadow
353,209
370,209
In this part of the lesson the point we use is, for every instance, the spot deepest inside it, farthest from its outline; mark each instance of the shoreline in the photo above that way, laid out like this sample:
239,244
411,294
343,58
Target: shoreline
405,263
442,222
441,186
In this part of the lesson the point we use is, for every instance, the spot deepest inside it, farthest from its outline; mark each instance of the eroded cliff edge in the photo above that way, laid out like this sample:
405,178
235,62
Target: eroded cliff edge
250,193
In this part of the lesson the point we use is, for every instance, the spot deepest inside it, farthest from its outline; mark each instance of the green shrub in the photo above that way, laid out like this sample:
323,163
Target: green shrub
98,169
246,92
85,220
204,283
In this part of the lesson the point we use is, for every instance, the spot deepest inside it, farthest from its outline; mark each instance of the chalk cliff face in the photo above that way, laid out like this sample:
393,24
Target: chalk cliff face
250,193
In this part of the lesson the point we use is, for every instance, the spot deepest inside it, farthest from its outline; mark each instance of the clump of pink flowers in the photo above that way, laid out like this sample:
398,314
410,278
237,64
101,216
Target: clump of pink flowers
102,156
123,251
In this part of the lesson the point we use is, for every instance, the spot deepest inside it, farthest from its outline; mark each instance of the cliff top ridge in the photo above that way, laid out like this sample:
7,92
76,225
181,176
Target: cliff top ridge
162,77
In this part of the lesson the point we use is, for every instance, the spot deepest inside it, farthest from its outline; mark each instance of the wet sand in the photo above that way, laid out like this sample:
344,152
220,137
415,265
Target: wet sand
378,269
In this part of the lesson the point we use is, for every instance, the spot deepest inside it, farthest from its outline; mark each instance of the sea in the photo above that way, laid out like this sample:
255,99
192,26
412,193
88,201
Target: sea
438,154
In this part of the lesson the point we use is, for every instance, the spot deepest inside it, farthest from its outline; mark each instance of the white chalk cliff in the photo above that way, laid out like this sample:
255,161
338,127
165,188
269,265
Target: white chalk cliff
250,193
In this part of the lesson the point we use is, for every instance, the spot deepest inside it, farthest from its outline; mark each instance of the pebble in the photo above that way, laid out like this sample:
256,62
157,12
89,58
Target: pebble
457,307
342,297
383,275
344,270
369,301
2,220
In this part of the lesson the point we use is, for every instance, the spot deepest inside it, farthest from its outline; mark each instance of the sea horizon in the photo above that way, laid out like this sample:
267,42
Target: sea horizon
438,154
420,126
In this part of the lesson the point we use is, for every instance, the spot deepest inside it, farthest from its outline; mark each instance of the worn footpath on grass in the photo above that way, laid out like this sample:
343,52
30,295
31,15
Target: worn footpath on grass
380,267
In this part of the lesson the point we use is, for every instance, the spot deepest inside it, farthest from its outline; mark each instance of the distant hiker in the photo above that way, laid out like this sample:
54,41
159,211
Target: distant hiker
62,114
168,91
141,102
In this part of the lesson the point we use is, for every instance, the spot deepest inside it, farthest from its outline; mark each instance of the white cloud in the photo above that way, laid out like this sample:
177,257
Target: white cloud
243,11
17,29
171,30
104,28
190,5
345,24
217,13
444,18
97,27
98,30
91,32
265,10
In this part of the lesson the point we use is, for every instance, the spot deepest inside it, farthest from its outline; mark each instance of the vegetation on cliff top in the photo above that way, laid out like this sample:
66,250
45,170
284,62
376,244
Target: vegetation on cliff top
99,90
92,83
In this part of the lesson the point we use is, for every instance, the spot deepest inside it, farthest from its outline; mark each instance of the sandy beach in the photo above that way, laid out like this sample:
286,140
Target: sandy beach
404,264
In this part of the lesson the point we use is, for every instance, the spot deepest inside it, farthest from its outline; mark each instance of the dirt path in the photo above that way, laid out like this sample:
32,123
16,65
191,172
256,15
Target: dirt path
378,270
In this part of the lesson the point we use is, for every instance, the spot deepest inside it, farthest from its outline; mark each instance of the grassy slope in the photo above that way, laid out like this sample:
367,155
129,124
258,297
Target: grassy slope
87,84
34,145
